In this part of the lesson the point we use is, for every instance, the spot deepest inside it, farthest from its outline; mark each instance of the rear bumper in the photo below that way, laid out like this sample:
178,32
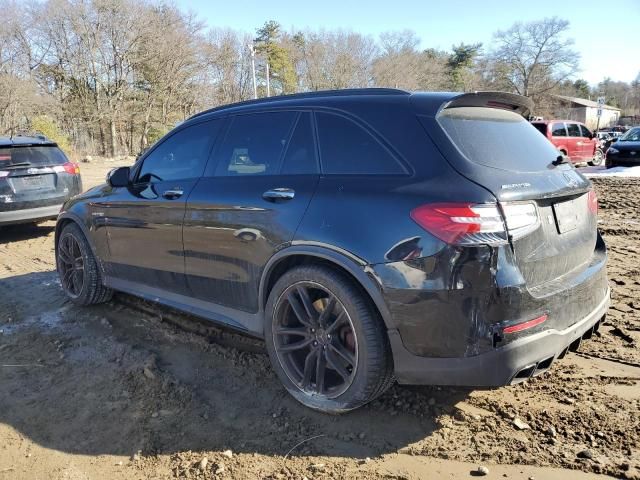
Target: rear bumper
29,214
512,363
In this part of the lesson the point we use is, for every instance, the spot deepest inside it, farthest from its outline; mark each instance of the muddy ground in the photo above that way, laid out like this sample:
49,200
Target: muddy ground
120,391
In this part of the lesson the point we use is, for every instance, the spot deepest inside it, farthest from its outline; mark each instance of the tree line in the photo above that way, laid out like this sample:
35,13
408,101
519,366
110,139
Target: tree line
112,76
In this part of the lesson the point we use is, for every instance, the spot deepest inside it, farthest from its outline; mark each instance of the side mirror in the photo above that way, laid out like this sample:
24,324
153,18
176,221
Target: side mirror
614,139
118,177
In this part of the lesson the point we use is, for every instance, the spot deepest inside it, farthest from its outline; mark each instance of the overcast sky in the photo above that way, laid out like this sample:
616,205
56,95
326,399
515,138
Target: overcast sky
606,34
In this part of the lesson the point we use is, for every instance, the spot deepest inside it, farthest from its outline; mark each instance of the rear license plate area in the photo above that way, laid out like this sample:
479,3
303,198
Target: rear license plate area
567,215
31,182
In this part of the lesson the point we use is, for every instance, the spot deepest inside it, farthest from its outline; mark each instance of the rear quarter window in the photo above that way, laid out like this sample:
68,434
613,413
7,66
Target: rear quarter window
348,149
497,138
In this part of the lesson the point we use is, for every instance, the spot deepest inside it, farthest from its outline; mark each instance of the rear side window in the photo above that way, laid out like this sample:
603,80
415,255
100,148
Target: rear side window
497,138
573,130
301,157
254,144
558,130
346,149
36,156
181,156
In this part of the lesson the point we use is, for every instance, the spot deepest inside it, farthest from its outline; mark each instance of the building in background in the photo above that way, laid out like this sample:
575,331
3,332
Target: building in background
585,111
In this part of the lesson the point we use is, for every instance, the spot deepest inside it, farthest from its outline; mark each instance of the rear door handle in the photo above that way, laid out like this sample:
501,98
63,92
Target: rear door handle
276,194
172,194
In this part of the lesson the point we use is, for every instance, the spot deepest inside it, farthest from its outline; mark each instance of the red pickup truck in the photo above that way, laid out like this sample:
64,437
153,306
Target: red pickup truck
573,139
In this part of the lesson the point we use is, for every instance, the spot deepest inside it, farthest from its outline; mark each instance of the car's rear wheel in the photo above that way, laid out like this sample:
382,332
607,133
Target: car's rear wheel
326,341
598,158
78,270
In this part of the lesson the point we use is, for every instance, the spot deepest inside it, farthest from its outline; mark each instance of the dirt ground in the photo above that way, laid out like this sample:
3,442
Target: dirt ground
121,391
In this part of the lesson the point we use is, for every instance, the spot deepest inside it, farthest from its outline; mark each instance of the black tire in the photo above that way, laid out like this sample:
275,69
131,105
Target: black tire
373,371
608,163
598,158
91,290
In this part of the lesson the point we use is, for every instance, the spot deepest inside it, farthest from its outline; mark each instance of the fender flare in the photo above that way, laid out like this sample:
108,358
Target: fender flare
352,264
73,217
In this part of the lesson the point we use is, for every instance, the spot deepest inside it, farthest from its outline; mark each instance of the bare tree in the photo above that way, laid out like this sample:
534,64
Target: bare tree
533,58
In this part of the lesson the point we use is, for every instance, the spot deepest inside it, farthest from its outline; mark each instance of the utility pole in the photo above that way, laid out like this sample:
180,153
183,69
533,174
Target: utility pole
268,89
252,50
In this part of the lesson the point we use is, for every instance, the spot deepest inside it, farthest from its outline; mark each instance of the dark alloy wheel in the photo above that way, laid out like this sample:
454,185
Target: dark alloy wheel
79,272
71,266
315,340
326,340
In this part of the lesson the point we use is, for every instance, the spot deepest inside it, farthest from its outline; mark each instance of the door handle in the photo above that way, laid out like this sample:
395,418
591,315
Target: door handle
276,194
172,194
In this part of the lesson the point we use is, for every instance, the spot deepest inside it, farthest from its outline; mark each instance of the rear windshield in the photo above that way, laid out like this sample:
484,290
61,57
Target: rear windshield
497,138
36,156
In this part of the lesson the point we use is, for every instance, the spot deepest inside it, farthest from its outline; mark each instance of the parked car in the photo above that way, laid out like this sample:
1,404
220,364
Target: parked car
625,150
36,178
573,139
367,235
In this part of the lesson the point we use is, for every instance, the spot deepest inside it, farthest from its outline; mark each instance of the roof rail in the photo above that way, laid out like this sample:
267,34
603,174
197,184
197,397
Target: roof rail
320,93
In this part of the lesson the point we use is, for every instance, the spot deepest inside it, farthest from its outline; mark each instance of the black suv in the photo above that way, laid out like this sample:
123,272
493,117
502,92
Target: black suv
367,235
36,178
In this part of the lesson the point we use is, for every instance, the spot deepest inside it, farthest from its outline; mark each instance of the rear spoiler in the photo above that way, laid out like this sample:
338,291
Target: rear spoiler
505,101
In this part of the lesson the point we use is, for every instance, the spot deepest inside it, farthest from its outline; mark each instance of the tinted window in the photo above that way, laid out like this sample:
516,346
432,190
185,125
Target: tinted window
497,138
585,131
181,156
573,130
254,144
346,148
300,157
34,156
558,130
541,127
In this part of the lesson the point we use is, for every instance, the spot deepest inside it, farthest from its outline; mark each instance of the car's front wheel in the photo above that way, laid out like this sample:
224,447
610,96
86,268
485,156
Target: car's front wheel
78,270
326,341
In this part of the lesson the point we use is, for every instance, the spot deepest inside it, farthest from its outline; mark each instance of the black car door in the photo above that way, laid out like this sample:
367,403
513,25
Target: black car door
248,205
144,220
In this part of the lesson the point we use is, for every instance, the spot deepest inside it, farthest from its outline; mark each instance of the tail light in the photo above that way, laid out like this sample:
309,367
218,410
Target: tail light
72,168
592,200
476,224
518,327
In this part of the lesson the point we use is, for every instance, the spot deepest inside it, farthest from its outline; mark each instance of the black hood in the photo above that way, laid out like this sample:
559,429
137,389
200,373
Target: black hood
622,145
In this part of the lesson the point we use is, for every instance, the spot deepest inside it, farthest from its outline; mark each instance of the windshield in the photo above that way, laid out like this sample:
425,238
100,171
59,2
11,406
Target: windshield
31,156
498,138
632,135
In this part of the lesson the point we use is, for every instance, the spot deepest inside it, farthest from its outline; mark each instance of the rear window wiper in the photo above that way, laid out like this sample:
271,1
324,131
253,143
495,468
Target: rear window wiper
15,165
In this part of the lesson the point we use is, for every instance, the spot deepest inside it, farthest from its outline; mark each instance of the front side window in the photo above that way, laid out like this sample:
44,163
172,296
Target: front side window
573,130
346,149
181,156
254,144
558,130
586,132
